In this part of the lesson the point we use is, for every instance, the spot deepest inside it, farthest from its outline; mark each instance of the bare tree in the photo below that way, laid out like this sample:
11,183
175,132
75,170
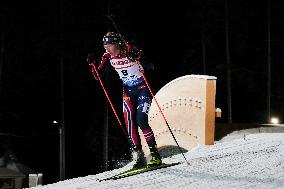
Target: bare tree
1,59
268,63
228,63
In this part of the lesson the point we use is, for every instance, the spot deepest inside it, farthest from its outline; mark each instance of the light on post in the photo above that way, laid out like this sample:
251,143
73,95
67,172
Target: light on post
274,120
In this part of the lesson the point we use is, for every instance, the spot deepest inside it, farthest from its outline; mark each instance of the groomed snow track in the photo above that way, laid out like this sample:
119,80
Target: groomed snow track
253,161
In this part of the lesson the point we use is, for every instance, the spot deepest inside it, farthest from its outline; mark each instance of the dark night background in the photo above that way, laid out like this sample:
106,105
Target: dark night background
36,34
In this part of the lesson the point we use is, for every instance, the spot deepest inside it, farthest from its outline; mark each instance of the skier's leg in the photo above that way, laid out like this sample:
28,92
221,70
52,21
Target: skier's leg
144,102
129,116
143,105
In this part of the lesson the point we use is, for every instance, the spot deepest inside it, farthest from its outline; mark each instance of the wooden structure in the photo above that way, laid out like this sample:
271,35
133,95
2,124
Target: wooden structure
188,104
10,179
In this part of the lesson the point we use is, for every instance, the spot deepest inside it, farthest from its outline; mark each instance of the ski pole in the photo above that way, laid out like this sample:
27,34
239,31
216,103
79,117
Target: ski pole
108,98
160,110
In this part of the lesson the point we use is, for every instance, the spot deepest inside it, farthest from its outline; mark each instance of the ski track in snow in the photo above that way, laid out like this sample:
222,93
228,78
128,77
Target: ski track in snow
255,161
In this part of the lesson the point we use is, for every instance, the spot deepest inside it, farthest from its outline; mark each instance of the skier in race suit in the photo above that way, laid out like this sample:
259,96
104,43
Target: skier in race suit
124,57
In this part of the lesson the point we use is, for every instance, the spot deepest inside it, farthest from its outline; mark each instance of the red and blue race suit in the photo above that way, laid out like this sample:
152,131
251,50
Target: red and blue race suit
136,96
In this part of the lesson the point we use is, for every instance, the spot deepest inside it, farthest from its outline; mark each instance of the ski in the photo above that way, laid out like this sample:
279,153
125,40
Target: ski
133,172
124,172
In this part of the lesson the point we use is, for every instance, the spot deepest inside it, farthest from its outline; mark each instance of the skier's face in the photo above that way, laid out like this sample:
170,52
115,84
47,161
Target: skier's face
112,49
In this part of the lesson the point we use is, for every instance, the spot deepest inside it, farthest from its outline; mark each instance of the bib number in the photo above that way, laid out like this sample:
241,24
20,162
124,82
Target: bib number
124,72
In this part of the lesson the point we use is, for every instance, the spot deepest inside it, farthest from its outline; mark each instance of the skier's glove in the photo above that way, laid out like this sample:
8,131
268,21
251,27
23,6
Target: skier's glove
133,53
146,63
90,58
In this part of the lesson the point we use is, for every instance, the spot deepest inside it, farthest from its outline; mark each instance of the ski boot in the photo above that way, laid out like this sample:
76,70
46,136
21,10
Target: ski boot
138,158
156,158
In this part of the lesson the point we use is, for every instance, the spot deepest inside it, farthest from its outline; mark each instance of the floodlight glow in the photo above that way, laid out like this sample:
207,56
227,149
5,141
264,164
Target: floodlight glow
274,120
55,122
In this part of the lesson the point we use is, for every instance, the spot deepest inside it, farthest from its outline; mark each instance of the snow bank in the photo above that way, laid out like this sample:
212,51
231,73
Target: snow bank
245,132
254,161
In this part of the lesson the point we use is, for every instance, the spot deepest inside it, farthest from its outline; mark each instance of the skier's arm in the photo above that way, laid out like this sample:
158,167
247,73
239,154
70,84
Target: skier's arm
137,54
146,63
133,52
104,62
102,66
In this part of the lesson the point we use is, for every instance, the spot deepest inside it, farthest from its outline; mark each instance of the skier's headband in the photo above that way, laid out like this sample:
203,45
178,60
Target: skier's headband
110,40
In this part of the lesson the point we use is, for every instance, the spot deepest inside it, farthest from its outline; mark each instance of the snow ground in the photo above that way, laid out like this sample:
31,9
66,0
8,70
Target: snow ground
252,158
